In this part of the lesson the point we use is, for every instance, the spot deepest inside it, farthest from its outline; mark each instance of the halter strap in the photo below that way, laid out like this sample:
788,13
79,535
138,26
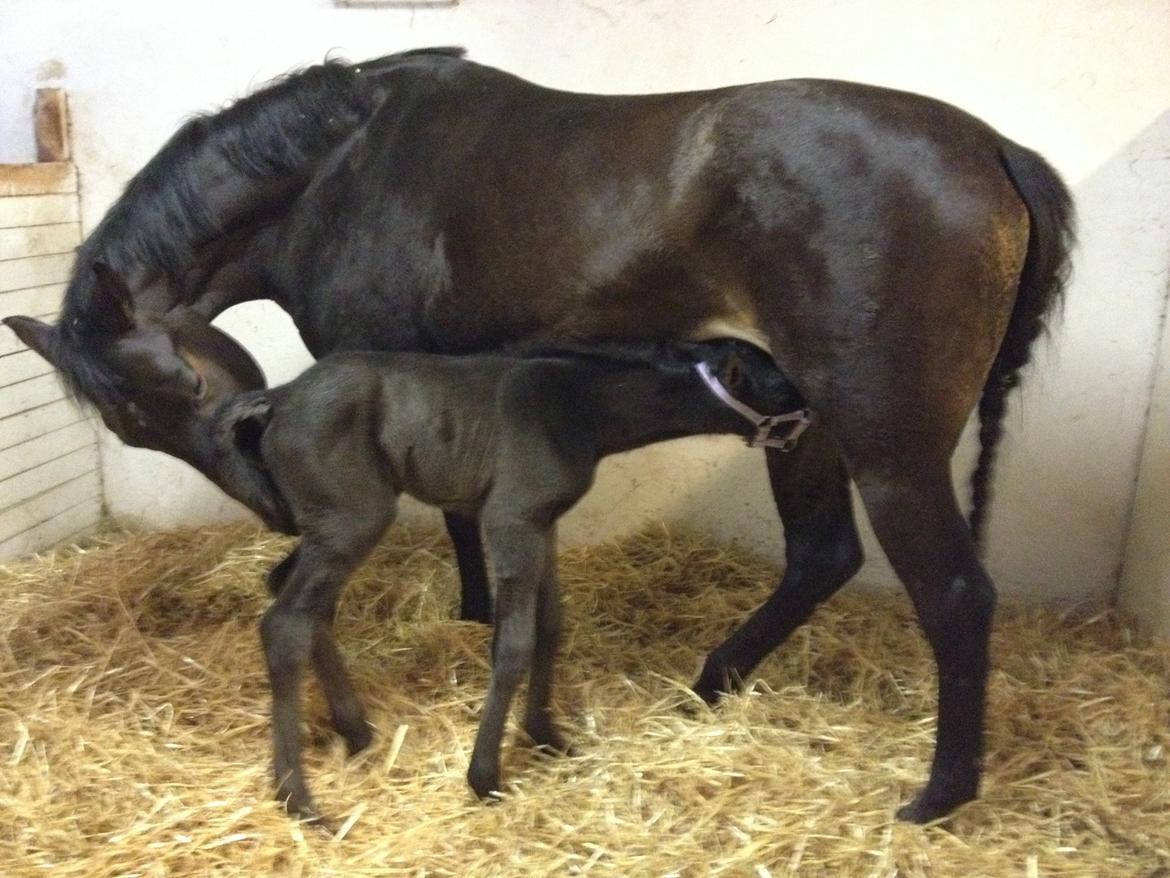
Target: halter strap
764,424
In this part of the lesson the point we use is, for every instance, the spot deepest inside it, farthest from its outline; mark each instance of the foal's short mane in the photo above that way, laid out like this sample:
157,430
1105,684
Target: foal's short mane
674,356
163,217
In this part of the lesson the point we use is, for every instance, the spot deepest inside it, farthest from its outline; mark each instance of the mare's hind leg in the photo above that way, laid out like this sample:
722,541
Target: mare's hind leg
918,522
475,597
822,550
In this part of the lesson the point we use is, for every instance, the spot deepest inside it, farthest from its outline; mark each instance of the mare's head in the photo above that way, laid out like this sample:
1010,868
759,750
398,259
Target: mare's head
150,379
155,381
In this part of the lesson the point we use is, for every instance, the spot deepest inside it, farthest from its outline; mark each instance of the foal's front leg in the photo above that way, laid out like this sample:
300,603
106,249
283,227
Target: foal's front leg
519,551
296,631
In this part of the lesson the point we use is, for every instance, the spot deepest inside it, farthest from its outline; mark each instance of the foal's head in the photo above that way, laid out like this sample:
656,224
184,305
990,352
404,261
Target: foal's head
748,373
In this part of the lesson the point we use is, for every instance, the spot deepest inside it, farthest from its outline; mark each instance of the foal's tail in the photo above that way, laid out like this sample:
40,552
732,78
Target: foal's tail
1042,282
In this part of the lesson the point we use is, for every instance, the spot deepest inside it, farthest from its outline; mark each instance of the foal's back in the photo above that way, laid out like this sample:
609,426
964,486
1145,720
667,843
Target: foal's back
357,427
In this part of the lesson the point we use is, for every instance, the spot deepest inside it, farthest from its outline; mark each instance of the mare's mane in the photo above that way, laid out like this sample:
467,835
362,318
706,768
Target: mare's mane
163,217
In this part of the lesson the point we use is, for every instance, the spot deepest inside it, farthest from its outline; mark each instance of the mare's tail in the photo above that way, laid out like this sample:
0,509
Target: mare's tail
1042,283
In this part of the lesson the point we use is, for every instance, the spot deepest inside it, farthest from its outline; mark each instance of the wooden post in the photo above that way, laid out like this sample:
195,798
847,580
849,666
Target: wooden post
52,125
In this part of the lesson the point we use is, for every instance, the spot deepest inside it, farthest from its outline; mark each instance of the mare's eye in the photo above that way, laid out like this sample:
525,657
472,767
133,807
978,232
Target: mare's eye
200,387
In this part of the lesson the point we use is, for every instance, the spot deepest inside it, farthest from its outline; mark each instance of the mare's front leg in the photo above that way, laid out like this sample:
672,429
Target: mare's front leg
822,551
475,596
519,552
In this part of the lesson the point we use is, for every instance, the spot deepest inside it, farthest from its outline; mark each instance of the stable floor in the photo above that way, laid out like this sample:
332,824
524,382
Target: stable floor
134,727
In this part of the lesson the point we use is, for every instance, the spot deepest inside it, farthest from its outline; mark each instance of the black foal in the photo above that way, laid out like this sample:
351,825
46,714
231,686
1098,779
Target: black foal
512,441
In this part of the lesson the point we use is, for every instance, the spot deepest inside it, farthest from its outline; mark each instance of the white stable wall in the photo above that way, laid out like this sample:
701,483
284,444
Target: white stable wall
50,476
1145,577
1085,83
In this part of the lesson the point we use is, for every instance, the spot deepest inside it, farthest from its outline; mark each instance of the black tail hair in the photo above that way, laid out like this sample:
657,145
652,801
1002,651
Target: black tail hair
1042,284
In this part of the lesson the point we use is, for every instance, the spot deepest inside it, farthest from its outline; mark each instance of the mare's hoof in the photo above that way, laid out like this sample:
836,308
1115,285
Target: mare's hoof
483,616
710,695
713,684
928,806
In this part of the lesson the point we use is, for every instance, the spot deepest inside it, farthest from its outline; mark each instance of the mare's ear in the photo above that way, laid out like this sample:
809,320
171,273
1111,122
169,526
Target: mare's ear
113,303
37,335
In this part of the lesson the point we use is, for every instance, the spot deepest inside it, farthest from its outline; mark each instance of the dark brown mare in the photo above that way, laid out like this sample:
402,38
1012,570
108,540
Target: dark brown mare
897,256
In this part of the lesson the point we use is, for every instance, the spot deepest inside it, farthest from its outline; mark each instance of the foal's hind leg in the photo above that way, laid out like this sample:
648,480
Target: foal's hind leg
917,519
538,720
279,574
519,552
822,550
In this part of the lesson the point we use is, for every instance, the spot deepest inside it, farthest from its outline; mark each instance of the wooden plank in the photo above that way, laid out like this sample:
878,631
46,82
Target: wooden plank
54,501
10,344
37,210
39,240
52,125
30,394
26,426
18,488
22,366
35,271
33,301
65,526
46,447
41,178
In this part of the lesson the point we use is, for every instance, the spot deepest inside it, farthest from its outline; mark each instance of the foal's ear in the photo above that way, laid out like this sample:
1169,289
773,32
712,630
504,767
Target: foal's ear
113,303
37,335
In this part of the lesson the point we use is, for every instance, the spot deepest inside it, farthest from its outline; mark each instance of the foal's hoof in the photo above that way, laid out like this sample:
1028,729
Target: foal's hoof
485,784
357,736
559,750
302,808
548,740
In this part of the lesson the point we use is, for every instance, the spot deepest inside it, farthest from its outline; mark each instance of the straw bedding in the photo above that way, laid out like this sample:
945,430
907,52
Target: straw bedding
134,728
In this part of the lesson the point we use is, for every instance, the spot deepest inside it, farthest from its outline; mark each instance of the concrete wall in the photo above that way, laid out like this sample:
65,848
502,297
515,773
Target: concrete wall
1085,83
